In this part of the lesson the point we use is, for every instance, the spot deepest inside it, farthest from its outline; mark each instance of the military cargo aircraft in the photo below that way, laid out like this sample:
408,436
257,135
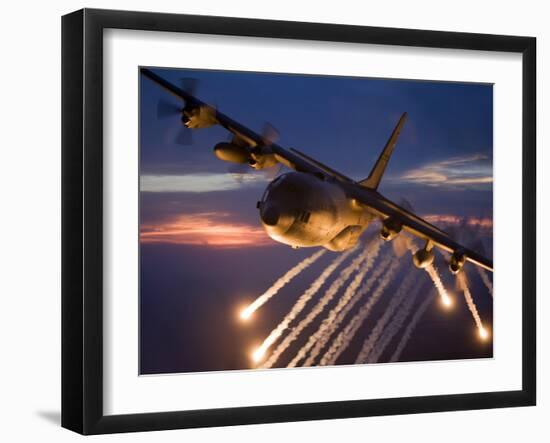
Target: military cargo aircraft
315,205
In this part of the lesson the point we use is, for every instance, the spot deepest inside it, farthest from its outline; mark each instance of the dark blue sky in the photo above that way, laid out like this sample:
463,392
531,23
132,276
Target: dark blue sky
190,240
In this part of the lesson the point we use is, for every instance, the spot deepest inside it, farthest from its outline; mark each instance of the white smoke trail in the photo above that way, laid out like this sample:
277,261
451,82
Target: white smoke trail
485,279
371,254
300,304
463,284
432,272
410,328
394,303
330,324
280,283
318,308
391,330
343,339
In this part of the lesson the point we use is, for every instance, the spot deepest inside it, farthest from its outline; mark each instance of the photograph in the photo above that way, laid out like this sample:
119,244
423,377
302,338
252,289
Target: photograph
296,220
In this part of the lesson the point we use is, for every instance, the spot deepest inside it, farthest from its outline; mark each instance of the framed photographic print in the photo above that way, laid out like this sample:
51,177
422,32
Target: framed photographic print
270,221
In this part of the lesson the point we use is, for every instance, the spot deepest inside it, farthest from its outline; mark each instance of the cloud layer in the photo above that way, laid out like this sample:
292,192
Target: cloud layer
197,183
214,229
473,171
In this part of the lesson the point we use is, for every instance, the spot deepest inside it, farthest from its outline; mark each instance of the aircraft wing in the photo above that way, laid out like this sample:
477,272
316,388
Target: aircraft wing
255,142
415,225
363,191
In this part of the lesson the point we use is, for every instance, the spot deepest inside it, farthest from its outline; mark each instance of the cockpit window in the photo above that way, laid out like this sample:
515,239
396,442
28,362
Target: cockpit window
266,193
270,187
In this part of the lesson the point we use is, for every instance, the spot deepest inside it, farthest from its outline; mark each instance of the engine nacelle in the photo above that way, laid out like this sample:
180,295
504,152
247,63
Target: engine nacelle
457,262
231,153
199,117
390,229
423,258
262,160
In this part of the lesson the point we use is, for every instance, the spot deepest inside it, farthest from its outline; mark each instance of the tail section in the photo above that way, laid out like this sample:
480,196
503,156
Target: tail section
377,171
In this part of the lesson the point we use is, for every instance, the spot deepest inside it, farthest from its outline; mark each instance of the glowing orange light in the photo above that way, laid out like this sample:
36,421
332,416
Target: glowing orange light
447,302
246,313
258,354
483,333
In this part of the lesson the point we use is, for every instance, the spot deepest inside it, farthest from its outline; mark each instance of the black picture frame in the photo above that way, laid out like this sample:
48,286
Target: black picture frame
82,218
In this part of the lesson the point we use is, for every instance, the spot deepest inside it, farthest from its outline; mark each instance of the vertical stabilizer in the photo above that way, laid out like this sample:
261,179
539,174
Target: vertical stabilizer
377,171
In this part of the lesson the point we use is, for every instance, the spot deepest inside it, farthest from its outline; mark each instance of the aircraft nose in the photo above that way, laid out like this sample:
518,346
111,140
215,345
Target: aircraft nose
270,214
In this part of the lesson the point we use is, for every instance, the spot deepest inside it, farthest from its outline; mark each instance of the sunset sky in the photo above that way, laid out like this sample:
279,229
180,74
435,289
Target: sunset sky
204,252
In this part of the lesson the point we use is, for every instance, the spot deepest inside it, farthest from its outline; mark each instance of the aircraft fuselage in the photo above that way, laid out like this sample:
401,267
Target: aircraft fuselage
303,210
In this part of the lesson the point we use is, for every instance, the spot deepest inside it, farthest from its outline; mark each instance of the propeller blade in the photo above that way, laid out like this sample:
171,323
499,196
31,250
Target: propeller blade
271,173
238,171
189,84
269,134
401,244
167,109
479,247
406,204
184,136
452,231
239,168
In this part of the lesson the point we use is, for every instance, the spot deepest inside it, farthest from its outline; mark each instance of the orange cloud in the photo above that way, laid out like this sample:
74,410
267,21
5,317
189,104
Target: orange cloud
208,229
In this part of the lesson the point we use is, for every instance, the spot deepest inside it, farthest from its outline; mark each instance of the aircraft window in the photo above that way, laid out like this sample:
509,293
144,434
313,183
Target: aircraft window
304,217
270,186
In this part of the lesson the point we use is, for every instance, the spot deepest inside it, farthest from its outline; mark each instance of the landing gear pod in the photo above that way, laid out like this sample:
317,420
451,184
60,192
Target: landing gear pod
390,229
457,262
423,258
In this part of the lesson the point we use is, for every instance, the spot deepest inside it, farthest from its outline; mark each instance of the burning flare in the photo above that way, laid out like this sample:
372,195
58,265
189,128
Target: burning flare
299,306
330,293
463,284
331,324
485,279
445,299
350,291
394,303
280,283
345,337
389,324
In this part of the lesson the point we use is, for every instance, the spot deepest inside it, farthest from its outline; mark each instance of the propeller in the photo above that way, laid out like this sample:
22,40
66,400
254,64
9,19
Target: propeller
189,84
477,242
403,242
184,136
167,109
406,204
273,172
240,170
269,134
